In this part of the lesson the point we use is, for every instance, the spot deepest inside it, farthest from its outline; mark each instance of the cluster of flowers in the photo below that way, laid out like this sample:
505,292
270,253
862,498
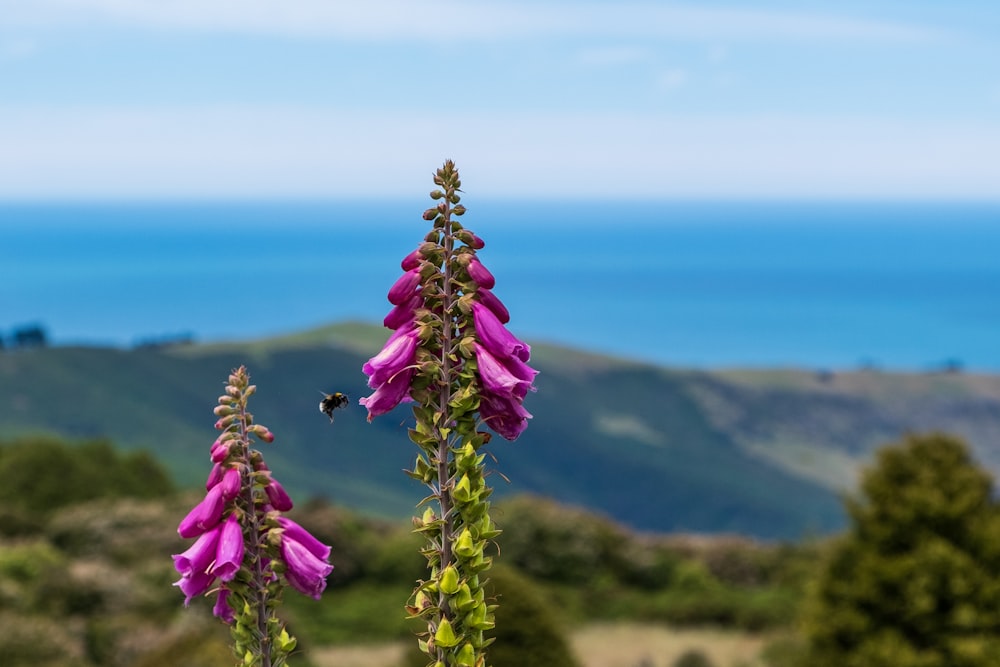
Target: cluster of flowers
238,527
501,359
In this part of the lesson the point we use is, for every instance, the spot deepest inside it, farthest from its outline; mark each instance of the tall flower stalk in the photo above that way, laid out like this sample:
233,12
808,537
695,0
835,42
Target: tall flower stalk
243,541
451,355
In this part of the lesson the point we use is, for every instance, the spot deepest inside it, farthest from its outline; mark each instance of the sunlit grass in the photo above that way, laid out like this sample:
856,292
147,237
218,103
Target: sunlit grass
596,645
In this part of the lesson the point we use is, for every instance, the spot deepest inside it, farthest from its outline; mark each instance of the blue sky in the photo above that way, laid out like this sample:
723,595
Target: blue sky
126,99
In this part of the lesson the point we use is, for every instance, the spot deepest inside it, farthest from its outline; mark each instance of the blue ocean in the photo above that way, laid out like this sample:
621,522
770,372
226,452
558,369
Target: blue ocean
909,286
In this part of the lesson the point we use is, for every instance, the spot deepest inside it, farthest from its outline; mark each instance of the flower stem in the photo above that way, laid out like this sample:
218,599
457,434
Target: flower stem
445,480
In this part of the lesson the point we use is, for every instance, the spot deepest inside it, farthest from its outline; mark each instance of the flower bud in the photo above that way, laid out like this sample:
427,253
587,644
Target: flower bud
262,432
480,274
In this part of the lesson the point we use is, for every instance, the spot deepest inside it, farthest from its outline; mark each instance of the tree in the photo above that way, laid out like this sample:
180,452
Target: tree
916,581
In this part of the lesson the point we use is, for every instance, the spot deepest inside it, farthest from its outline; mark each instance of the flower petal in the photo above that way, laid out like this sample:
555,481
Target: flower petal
277,496
490,300
222,610
495,337
194,584
304,537
505,416
496,378
199,556
205,515
303,570
229,554
389,395
403,313
402,290
481,274
412,260
398,353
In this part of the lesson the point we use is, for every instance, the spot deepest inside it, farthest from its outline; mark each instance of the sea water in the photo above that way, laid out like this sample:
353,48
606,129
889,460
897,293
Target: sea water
694,284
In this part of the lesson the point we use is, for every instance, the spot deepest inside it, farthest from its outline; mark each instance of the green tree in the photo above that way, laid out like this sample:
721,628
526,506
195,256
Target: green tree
916,581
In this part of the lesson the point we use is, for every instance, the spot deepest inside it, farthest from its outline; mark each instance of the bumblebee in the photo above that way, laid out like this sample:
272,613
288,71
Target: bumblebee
331,402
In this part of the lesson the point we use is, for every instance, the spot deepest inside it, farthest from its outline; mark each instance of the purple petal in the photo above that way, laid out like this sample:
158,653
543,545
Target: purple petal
403,313
277,496
222,610
476,242
304,537
205,515
481,274
214,476
398,353
403,289
231,484
495,337
220,450
229,554
505,416
490,300
389,395
496,378
303,570
412,260
194,584
199,556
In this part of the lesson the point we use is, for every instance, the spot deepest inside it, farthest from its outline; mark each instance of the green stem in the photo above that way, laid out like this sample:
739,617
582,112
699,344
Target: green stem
443,450
258,575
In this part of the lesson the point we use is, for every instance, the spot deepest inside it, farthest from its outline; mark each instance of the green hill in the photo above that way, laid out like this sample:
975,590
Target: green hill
762,453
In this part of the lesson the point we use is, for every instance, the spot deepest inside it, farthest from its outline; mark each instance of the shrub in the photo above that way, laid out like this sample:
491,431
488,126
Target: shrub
916,581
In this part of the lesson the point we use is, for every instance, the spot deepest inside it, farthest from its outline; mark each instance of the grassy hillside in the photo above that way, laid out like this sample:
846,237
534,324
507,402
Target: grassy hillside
759,453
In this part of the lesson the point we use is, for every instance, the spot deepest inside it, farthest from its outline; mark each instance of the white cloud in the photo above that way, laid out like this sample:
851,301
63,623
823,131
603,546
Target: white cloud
289,152
451,20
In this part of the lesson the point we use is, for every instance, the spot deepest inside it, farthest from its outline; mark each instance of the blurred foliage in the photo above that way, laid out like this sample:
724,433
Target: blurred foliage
916,581
85,579
693,658
43,474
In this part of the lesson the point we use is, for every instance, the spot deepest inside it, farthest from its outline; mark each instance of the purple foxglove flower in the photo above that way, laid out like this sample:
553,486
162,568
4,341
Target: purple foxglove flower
490,300
205,515
476,242
402,290
219,451
398,353
230,484
412,260
504,415
277,496
222,610
481,274
304,571
403,313
199,556
389,395
194,584
497,379
229,553
495,337
214,476
304,537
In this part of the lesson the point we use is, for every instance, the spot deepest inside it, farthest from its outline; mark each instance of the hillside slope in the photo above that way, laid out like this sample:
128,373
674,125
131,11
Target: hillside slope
761,453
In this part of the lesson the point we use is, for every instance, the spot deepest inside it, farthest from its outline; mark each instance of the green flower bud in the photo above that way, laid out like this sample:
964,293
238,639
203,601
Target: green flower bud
449,582
445,635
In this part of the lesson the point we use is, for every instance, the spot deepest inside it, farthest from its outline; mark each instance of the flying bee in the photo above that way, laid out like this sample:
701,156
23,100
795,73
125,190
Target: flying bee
331,402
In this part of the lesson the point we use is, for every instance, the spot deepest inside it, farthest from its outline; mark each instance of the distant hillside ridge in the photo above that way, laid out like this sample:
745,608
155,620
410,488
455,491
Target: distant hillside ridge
764,453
